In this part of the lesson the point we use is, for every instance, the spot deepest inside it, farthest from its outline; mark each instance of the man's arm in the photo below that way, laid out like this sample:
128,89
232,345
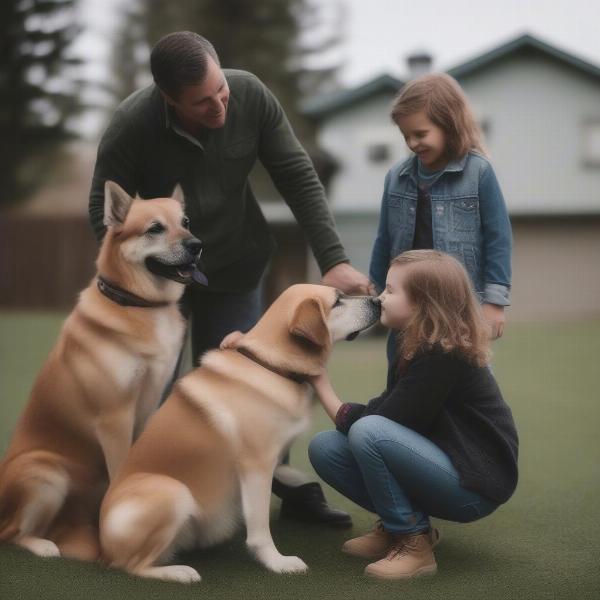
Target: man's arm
296,180
118,160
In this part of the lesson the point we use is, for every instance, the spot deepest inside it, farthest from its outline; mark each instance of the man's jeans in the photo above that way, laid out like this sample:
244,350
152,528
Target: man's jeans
214,315
393,471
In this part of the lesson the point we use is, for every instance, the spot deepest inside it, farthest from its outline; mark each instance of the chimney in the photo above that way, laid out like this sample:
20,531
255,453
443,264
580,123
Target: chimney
419,63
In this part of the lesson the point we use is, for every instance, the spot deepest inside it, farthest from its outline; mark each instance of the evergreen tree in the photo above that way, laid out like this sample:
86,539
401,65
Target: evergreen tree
129,66
39,92
270,38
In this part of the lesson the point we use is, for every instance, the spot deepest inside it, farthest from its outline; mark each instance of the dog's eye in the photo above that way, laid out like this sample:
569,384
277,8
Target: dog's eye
155,228
185,222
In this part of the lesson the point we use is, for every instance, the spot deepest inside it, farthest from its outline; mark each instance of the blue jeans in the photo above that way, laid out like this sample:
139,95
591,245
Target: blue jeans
214,315
393,471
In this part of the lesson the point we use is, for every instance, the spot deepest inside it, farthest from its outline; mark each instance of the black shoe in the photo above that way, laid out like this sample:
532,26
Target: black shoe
307,503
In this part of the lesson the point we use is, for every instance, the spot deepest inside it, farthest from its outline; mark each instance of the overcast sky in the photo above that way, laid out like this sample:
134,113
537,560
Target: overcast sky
379,34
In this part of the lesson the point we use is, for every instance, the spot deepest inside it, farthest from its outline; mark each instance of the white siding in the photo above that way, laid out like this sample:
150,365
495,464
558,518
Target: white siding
536,109
347,136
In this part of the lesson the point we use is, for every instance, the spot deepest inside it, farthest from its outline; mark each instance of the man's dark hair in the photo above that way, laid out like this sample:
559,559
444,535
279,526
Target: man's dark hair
180,59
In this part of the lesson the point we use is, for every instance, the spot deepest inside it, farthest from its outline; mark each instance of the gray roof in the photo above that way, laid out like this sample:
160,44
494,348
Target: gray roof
322,106
525,41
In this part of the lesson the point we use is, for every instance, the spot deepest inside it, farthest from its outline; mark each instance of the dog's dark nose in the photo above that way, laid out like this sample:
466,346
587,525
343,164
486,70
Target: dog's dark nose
192,245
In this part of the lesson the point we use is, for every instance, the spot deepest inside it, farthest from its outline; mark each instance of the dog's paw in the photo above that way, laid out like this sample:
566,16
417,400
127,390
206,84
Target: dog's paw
183,574
231,341
287,564
179,573
41,547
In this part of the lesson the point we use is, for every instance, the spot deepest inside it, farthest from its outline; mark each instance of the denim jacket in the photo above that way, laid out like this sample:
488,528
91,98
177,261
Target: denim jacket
469,221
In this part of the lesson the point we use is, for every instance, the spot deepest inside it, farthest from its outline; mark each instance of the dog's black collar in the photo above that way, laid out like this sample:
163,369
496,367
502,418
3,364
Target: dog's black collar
125,298
297,377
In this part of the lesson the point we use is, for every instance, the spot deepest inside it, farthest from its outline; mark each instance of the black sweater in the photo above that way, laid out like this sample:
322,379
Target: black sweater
457,406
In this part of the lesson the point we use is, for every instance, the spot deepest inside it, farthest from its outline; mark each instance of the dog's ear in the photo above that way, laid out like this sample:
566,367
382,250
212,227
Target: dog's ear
117,203
309,322
177,194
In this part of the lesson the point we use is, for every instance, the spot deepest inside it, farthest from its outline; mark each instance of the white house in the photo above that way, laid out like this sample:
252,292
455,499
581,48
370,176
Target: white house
539,108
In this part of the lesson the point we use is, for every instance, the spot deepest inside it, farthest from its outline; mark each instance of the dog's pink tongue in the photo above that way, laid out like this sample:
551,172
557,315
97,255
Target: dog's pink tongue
199,277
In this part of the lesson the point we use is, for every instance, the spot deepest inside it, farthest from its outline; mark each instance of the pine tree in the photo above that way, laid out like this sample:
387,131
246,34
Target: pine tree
39,90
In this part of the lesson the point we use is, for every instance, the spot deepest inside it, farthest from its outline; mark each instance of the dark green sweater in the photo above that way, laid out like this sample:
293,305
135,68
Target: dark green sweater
147,153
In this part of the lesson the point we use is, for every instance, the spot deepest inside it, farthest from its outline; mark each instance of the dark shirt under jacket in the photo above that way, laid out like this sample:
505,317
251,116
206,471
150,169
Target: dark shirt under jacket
423,239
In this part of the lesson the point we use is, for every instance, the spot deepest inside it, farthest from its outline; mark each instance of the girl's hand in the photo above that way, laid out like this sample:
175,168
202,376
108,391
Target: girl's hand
320,381
231,341
495,316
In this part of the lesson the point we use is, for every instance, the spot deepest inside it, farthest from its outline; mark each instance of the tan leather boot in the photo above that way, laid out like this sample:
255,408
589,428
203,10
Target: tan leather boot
410,555
377,542
373,544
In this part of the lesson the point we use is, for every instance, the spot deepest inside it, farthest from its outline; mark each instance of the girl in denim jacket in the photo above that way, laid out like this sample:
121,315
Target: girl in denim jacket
446,196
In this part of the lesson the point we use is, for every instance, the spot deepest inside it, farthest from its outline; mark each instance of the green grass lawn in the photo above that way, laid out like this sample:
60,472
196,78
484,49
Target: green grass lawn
544,543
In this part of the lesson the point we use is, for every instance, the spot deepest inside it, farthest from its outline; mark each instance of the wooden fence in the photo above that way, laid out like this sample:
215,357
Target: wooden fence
45,263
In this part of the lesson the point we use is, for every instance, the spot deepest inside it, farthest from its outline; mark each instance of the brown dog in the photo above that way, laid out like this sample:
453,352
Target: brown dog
114,357
207,457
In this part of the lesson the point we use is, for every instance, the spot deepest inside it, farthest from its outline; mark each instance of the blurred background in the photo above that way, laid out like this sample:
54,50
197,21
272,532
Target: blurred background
531,70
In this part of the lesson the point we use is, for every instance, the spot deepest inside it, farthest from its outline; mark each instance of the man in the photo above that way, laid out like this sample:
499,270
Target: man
205,127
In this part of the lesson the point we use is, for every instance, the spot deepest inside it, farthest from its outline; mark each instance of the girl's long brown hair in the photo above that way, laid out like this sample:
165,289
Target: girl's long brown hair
445,104
447,312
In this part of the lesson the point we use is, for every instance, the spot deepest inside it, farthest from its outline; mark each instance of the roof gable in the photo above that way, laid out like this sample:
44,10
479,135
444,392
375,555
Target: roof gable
322,106
525,41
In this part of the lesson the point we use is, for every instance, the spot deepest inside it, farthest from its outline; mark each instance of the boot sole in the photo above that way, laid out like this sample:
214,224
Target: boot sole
422,572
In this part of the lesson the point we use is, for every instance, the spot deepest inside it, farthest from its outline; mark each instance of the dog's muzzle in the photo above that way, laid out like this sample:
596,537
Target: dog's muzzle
182,272
373,308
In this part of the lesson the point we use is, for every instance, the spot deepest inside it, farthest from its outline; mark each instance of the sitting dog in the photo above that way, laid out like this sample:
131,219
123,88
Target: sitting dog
208,455
115,355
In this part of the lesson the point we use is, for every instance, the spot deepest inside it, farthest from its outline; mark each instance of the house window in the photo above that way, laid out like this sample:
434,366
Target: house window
378,152
591,143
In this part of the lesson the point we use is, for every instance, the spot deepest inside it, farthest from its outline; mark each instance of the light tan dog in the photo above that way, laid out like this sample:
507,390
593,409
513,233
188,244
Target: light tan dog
105,375
207,457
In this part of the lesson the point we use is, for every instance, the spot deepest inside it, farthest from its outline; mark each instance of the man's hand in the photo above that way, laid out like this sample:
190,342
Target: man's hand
231,341
346,278
495,316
